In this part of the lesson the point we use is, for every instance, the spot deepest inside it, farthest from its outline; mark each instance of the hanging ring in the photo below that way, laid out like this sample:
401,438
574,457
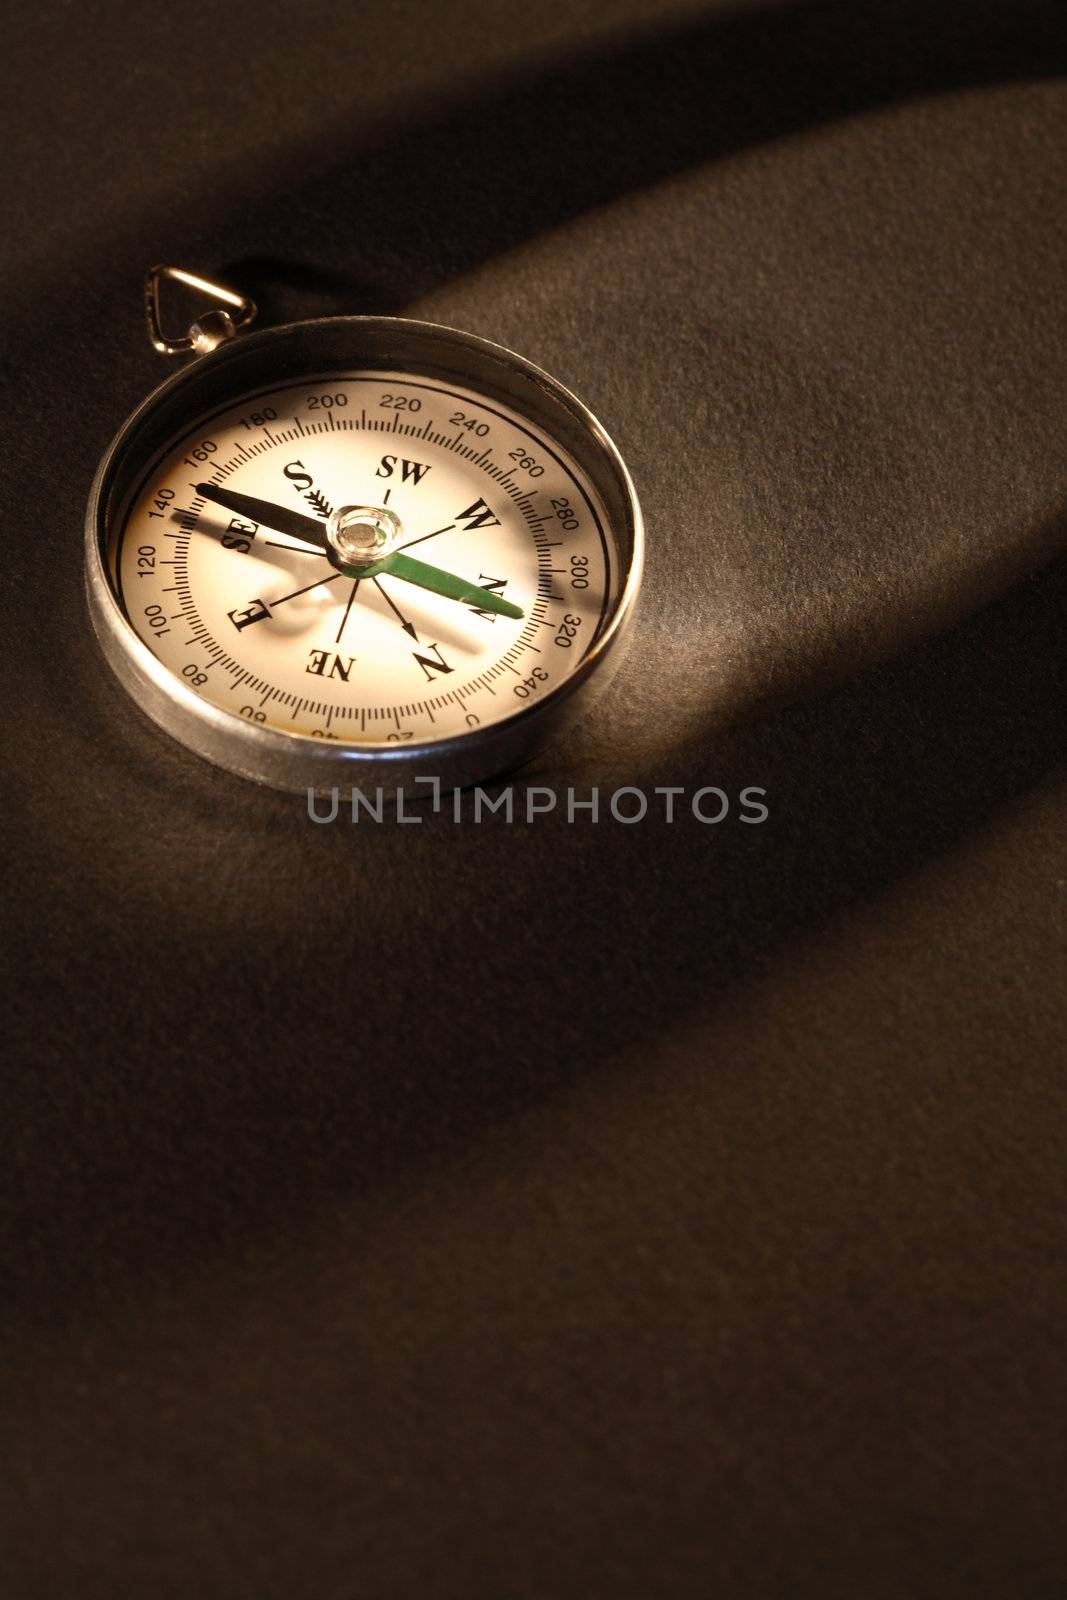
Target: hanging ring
230,313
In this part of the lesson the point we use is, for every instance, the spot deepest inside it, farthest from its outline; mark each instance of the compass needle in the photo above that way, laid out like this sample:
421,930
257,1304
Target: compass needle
266,514
447,584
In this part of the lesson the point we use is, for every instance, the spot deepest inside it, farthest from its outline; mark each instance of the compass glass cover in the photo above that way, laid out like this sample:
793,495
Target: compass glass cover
504,533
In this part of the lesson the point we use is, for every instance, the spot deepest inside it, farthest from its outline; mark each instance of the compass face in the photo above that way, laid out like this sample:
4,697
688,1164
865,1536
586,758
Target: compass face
459,569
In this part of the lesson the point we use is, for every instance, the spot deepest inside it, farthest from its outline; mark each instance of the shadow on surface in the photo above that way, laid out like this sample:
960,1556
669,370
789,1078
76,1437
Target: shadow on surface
281,1095
262,1092
555,139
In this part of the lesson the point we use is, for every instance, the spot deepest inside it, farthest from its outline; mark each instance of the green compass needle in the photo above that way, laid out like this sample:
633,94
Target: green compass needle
399,565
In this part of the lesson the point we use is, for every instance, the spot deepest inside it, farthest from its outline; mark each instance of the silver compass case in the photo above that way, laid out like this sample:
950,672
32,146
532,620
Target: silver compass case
300,350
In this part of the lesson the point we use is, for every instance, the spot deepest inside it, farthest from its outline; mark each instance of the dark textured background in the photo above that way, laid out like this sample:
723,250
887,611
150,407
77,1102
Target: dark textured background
530,1212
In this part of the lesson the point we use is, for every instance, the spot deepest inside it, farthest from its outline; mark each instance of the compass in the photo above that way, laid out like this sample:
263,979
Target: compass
358,549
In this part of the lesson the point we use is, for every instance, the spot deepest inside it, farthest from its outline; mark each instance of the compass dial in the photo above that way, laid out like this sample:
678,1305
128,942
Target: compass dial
368,557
